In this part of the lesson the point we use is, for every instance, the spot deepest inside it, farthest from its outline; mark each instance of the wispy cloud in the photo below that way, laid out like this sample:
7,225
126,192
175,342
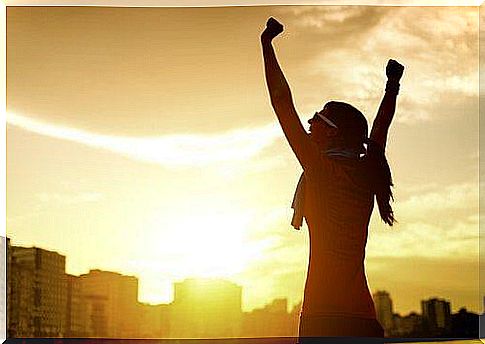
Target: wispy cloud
170,150
440,223
448,199
333,18
438,46
422,239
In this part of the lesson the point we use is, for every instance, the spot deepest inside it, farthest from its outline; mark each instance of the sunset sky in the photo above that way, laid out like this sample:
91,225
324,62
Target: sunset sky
142,140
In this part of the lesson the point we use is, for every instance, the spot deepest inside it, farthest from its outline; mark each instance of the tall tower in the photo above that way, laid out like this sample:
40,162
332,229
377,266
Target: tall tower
383,305
436,316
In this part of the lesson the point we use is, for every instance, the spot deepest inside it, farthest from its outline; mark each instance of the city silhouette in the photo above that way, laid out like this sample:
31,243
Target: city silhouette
44,301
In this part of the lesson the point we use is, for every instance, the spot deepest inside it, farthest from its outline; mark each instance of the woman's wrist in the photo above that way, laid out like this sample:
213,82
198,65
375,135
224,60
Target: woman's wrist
392,86
266,39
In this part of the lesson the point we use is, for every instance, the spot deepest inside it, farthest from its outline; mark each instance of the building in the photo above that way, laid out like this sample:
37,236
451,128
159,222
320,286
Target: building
153,320
97,316
3,289
111,300
384,311
20,301
407,326
206,308
37,293
295,318
465,324
436,317
76,309
19,297
482,321
8,282
273,320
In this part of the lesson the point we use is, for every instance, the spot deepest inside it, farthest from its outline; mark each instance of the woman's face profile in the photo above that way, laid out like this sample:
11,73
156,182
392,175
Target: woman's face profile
320,131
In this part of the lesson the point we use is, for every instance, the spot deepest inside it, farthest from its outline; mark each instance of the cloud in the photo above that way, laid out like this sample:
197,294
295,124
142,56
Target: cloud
168,151
266,161
440,51
332,18
441,223
438,46
421,239
446,200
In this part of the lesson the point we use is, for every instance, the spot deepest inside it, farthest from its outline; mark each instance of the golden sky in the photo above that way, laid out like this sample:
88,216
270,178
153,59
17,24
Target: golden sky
141,140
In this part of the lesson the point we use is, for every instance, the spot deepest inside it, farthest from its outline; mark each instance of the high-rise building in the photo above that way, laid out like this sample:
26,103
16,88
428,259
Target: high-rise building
20,301
38,292
206,308
112,298
384,312
436,316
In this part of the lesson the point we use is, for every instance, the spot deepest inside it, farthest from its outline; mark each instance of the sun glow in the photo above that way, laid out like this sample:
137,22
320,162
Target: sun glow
204,243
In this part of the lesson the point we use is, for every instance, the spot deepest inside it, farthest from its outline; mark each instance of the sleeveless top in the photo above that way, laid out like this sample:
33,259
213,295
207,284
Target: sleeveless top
337,206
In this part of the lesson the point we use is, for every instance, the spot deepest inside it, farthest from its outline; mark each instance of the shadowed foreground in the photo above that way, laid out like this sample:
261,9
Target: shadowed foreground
275,340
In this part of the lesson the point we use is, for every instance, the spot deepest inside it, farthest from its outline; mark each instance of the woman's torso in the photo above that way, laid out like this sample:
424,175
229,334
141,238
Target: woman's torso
338,206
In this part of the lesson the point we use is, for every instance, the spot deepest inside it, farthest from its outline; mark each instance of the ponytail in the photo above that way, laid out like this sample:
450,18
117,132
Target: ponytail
380,181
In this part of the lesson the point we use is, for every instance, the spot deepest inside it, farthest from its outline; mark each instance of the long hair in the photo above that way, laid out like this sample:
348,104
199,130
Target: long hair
379,174
352,125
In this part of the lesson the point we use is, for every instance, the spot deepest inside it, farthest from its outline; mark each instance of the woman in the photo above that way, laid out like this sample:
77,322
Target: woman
343,172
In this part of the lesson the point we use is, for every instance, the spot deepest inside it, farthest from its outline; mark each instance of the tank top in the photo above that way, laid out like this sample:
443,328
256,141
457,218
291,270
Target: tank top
337,206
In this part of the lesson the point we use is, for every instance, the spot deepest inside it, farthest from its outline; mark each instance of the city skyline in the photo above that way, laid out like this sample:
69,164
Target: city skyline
138,144
46,301
384,292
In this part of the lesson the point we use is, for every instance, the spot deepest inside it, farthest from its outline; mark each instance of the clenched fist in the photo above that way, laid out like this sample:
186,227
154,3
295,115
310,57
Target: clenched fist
273,29
394,70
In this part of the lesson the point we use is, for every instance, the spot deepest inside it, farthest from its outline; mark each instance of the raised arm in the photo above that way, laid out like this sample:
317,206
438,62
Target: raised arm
281,98
382,122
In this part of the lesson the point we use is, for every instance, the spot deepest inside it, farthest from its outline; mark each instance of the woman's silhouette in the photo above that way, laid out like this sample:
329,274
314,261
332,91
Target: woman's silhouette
343,172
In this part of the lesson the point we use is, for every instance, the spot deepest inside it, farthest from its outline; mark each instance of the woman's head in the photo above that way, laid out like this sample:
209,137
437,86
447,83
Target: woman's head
340,124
